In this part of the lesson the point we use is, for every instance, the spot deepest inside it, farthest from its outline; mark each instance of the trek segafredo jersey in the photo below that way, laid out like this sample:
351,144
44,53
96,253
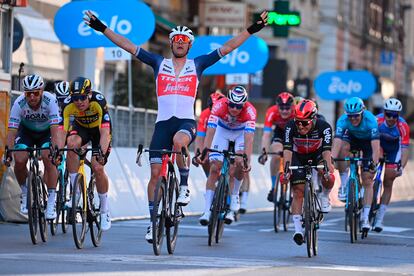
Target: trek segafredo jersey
36,120
176,95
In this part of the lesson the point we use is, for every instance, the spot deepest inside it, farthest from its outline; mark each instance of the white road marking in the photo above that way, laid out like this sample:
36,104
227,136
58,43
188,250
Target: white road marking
370,233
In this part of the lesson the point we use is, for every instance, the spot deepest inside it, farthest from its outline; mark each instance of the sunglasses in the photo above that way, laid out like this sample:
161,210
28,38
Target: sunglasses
236,106
30,93
183,38
302,123
353,116
76,98
393,115
284,108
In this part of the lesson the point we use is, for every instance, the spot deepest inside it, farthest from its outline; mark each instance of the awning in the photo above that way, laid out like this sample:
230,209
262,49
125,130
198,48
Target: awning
163,22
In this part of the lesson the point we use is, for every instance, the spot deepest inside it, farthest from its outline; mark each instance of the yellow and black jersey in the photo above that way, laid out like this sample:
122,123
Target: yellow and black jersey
95,116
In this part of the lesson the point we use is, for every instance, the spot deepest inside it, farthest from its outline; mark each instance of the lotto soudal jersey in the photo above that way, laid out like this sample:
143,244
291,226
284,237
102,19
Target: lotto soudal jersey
176,91
36,120
318,139
220,116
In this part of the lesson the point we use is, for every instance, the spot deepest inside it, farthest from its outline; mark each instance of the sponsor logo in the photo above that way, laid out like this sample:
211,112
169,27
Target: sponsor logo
185,86
106,117
99,97
328,135
288,130
36,117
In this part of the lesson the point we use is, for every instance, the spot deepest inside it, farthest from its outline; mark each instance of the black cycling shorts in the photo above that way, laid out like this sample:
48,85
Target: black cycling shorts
278,135
298,176
359,145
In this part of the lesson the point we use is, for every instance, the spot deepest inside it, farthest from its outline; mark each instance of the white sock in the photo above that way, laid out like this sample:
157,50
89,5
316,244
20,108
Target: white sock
52,196
72,178
236,187
297,221
365,212
209,199
344,177
244,197
24,189
381,212
103,198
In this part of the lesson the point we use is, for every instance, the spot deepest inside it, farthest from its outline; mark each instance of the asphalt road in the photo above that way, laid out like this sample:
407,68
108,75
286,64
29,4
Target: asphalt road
249,247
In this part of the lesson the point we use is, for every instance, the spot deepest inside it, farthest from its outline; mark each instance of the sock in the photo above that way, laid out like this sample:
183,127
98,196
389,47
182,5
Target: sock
150,207
52,196
344,178
244,197
72,178
297,221
365,212
273,177
236,187
103,198
24,189
209,199
381,212
183,176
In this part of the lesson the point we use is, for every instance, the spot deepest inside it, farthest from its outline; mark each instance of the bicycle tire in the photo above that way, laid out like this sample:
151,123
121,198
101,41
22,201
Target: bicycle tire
351,211
64,210
94,214
215,212
32,212
78,212
308,220
42,203
174,215
374,205
316,220
224,208
158,216
286,208
54,223
276,205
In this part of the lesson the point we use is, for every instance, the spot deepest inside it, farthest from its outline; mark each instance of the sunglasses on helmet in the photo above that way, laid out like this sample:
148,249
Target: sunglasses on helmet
236,106
303,123
179,37
76,98
30,93
393,115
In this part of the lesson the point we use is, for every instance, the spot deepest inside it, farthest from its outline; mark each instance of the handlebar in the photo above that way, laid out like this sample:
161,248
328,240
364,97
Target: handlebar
141,149
226,154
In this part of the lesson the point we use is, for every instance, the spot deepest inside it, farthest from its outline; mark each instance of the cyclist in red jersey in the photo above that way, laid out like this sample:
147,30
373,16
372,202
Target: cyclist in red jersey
278,116
202,126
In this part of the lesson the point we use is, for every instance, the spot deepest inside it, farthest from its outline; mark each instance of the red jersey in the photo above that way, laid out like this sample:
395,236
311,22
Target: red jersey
273,118
202,122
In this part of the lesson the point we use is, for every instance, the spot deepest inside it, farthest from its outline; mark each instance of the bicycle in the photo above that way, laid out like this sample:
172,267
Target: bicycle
61,199
167,213
36,194
377,190
221,200
353,205
85,213
312,216
282,196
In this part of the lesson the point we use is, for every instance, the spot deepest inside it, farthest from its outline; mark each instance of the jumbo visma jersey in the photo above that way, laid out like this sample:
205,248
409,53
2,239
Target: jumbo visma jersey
95,116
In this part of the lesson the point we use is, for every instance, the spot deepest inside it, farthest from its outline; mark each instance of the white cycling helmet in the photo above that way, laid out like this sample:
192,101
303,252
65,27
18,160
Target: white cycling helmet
393,104
62,89
237,95
183,30
33,82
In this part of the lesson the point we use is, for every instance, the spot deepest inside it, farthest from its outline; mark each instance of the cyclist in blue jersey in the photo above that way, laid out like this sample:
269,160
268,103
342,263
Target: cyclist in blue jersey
177,79
395,140
357,129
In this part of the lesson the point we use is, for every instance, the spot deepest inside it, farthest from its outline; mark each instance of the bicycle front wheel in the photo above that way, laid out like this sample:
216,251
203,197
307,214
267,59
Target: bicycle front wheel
216,210
158,216
308,220
375,205
174,215
78,212
277,208
32,208
224,208
42,202
94,214
352,211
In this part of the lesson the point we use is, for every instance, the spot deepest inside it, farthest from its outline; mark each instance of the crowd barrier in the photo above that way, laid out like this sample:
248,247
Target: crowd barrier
128,185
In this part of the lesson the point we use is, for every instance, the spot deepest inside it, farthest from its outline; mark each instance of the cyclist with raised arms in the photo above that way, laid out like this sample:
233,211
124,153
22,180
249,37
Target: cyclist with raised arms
357,129
232,119
177,79
202,126
394,140
307,138
91,123
34,120
277,115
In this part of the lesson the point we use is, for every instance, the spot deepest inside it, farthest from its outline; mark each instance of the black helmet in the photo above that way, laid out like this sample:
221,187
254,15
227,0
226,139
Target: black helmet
80,86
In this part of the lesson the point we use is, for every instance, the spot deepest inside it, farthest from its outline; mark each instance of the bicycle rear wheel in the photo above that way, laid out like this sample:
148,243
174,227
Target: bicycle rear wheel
351,211
174,215
224,208
78,212
308,220
158,216
94,214
42,202
277,208
33,213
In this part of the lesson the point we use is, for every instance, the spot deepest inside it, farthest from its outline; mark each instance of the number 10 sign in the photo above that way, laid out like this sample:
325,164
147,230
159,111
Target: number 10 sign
116,53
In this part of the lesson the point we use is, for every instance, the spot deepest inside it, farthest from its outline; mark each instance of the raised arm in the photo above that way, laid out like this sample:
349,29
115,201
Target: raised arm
92,21
238,40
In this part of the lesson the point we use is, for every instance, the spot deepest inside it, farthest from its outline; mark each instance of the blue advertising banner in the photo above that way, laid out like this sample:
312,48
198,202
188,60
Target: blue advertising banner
250,57
340,85
132,19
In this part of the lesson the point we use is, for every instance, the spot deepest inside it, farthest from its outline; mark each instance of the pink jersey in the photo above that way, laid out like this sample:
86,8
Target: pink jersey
220,116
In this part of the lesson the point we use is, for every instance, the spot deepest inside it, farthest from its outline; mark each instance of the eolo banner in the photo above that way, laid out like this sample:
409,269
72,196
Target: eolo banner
130,18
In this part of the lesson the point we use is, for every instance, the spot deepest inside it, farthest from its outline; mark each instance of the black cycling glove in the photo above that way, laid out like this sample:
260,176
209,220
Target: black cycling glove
255,27
97,24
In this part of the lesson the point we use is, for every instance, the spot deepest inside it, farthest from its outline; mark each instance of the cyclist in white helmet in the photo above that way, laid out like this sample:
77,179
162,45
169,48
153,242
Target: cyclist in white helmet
177,79
34,119
394,141
231,119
